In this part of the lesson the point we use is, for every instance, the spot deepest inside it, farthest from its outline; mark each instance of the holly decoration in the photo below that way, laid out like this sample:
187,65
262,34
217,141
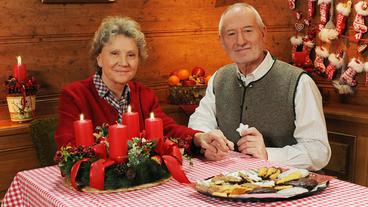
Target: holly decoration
27,87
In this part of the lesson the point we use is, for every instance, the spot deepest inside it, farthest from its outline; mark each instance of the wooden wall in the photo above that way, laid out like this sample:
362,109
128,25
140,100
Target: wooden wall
54,39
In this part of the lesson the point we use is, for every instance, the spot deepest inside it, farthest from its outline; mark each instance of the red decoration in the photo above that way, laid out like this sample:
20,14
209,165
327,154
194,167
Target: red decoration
167,151
343,11
324,11
359,26
311,7
74,172
118,142
171,155
83,132
154,128
19,70
131,120
291,4
97,173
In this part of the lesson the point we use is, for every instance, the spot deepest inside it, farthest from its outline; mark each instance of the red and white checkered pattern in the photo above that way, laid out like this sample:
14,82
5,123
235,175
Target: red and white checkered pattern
44,187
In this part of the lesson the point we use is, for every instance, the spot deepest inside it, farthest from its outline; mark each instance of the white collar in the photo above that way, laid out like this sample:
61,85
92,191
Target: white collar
259,72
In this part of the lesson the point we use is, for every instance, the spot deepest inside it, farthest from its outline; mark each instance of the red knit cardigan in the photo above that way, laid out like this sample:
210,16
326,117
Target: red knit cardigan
82,97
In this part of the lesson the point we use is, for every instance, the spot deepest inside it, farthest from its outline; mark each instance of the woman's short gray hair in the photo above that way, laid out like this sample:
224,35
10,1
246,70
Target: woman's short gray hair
112,26
245,6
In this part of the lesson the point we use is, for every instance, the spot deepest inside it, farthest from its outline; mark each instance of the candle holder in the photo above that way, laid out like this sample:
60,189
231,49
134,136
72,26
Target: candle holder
21,98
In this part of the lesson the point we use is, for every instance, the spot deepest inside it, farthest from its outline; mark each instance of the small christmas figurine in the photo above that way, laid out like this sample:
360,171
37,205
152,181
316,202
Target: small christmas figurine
336,62
321,54
343,11
324,8
360,28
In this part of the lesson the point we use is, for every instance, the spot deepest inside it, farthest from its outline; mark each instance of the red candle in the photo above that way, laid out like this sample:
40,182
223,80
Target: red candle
154,128
118,142
131,120
83,132
19,70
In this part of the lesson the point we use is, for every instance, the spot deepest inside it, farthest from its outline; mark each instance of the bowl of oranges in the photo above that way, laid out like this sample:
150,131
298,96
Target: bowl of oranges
187,86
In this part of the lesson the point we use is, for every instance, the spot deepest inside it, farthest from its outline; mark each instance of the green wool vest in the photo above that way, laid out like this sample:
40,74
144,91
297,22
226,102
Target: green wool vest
266,104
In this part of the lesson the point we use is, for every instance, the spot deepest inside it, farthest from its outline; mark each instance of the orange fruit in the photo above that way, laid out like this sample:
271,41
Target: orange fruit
207,78
183,74
174,80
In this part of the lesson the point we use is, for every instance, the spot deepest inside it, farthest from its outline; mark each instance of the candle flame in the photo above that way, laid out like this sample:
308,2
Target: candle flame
129,109
19,60
81,117
152,115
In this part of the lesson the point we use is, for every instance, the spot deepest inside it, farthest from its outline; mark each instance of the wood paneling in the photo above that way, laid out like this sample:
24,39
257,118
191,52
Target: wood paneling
343,148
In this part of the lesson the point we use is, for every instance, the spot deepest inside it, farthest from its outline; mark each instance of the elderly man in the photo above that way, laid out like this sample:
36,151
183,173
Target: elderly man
280,103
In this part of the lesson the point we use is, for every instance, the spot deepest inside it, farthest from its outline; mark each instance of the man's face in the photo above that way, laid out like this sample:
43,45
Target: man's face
241,36
119,60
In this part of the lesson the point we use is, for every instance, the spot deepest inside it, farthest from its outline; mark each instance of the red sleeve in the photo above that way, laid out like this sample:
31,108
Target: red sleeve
68,113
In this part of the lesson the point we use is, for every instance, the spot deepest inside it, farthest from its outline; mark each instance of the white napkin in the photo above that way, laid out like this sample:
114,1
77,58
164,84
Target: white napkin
242,127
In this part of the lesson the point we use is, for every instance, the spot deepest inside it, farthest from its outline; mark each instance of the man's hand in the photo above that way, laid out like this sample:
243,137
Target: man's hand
251,143
214,144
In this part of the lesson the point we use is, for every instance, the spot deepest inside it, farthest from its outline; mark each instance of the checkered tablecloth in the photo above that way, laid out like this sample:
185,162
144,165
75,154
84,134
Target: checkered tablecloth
44,187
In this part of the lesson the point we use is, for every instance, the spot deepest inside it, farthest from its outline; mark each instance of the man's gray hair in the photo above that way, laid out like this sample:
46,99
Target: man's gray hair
116,25
245,6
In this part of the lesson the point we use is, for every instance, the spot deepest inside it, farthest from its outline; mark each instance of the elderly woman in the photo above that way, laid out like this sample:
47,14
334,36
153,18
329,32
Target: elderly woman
118,48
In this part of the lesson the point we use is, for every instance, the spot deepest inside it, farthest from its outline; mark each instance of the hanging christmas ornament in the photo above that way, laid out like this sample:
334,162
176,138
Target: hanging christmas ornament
355,66
291,4
343,10
324,8
308,45
311,8
321,54
296,42
360,28
328,32
299,24
336,62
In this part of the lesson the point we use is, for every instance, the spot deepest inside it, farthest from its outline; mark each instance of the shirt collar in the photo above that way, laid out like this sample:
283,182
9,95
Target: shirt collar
259,72
104,91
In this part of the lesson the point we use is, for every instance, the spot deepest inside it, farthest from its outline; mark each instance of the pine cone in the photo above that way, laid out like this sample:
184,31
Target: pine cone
120,169
130,174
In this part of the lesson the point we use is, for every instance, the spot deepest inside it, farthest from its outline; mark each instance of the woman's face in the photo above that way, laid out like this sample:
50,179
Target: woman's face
119,60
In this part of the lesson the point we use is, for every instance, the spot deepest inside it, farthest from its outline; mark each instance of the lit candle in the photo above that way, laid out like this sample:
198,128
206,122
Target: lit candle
154,128
118,142
19,70
131,120
83,132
